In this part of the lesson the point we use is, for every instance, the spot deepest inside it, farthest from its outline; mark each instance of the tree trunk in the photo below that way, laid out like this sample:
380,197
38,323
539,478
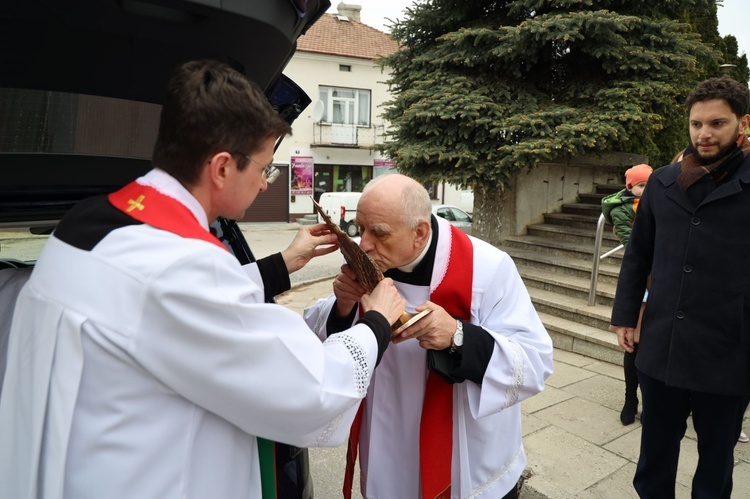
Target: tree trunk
491,206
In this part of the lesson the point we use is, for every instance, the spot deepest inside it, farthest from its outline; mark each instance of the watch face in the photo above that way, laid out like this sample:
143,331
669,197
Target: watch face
458,339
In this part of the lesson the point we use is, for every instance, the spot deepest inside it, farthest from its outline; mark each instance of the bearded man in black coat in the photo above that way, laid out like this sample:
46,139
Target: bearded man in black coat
692,235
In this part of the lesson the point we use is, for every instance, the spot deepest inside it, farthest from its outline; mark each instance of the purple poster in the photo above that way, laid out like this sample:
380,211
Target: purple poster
301,176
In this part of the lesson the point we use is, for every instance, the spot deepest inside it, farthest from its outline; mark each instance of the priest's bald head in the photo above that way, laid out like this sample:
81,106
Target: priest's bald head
393,215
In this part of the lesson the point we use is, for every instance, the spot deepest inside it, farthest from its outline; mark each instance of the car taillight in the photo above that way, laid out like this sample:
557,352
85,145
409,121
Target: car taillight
343,212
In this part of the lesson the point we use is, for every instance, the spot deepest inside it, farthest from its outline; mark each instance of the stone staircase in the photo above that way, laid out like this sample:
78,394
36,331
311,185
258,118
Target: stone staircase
555,259
309,219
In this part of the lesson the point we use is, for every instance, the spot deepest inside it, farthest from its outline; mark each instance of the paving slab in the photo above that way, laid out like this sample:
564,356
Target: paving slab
575,443
606,368
627,445
596,424
531,424
564,465
549,397
565,374
616,485
573,359
602,390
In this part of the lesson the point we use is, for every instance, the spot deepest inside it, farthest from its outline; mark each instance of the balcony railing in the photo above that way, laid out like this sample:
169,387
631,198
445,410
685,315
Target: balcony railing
357,136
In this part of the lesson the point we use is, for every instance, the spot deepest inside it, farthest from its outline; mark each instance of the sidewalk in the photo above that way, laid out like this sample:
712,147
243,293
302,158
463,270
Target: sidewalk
575,443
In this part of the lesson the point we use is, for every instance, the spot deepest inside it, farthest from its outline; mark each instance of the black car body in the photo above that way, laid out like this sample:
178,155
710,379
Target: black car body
81,82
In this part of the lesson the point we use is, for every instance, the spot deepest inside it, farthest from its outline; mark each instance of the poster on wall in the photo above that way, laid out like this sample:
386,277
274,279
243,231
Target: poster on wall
301,169
382,166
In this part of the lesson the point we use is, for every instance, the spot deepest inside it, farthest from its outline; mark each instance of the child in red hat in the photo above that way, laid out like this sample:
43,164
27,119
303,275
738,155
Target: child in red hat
619,209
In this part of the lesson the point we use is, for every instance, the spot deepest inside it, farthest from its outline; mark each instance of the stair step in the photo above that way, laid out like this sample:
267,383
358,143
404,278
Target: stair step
555,259
556,264
307,221
588,222
572,234
582,209
571,308
592,198
563,248
584,340
567,285
607,189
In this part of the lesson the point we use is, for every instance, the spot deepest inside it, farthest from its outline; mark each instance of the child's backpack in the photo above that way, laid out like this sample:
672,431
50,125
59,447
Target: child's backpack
609,202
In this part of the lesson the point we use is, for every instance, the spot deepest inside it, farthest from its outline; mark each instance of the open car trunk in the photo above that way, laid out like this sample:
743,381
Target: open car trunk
82,81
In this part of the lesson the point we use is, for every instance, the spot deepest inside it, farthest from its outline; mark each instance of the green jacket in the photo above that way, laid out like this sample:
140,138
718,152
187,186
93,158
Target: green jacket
618,210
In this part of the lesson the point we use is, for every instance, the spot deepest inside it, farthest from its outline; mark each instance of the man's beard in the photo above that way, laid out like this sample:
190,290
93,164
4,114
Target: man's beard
723,151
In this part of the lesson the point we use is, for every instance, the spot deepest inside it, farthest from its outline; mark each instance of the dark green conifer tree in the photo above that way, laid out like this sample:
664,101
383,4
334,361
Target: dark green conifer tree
484,90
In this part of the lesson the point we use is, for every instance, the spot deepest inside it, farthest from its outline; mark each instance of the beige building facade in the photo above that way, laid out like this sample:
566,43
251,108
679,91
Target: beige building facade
332,144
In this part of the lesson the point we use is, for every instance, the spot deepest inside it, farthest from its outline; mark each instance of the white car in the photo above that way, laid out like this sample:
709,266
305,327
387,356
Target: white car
454,215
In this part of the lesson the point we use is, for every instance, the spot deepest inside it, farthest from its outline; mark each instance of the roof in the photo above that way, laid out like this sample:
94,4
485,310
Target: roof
349,38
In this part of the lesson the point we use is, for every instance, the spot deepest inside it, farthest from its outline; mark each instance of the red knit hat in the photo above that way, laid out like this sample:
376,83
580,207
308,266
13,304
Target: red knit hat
637,174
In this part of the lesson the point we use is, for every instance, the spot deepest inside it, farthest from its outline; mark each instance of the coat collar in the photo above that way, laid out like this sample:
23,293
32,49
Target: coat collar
668,178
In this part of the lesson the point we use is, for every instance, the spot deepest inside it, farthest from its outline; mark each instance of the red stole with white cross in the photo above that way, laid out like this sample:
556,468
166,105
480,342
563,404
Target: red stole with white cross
436,426
150,206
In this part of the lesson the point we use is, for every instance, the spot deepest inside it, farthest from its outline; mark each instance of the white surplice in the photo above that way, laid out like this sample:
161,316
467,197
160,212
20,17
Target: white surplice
11,282
488,455
146,367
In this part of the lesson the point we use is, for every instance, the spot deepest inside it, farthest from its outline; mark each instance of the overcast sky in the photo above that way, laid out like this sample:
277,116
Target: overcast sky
734,17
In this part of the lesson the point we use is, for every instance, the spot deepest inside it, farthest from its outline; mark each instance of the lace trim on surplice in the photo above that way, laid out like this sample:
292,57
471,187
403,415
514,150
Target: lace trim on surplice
511,396
359,357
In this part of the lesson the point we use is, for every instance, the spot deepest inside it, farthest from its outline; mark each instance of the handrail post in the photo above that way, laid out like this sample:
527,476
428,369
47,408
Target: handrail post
595,266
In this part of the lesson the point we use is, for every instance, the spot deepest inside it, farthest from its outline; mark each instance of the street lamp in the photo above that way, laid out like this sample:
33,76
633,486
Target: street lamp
726,68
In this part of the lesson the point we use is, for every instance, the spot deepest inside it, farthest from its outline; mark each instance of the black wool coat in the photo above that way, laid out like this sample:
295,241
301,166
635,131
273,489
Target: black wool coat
696,328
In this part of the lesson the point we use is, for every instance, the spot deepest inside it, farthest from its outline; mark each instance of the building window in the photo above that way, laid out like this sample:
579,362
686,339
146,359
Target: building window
341,178
345,67
345,106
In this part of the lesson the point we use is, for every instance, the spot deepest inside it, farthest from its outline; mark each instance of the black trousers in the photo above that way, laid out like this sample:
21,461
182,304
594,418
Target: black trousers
718,422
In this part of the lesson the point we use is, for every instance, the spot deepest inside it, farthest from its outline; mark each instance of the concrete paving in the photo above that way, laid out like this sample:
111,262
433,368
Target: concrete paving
575,443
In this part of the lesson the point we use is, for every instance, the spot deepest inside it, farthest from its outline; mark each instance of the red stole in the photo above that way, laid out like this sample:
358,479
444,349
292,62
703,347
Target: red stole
148,205
436,426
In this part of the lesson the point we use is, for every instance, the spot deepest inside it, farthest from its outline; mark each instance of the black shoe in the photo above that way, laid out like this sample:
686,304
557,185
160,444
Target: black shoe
627,415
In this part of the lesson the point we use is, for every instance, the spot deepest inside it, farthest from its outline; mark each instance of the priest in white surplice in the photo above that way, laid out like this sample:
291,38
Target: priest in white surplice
442,417
143,360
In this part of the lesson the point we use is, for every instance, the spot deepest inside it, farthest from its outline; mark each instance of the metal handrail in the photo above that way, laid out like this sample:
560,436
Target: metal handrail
597,258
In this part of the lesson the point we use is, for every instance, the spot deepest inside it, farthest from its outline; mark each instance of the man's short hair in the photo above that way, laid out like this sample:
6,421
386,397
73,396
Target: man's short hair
416,204
723,88
209,108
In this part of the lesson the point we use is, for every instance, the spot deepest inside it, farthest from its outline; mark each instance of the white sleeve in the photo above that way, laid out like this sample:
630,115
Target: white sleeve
316,316
253,272
213,340
522,357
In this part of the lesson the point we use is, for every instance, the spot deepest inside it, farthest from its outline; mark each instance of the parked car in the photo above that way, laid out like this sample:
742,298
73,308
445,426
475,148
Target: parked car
454,215
341,207
80,92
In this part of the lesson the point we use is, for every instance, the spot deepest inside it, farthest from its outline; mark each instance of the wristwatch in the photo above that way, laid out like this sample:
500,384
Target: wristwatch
457,341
